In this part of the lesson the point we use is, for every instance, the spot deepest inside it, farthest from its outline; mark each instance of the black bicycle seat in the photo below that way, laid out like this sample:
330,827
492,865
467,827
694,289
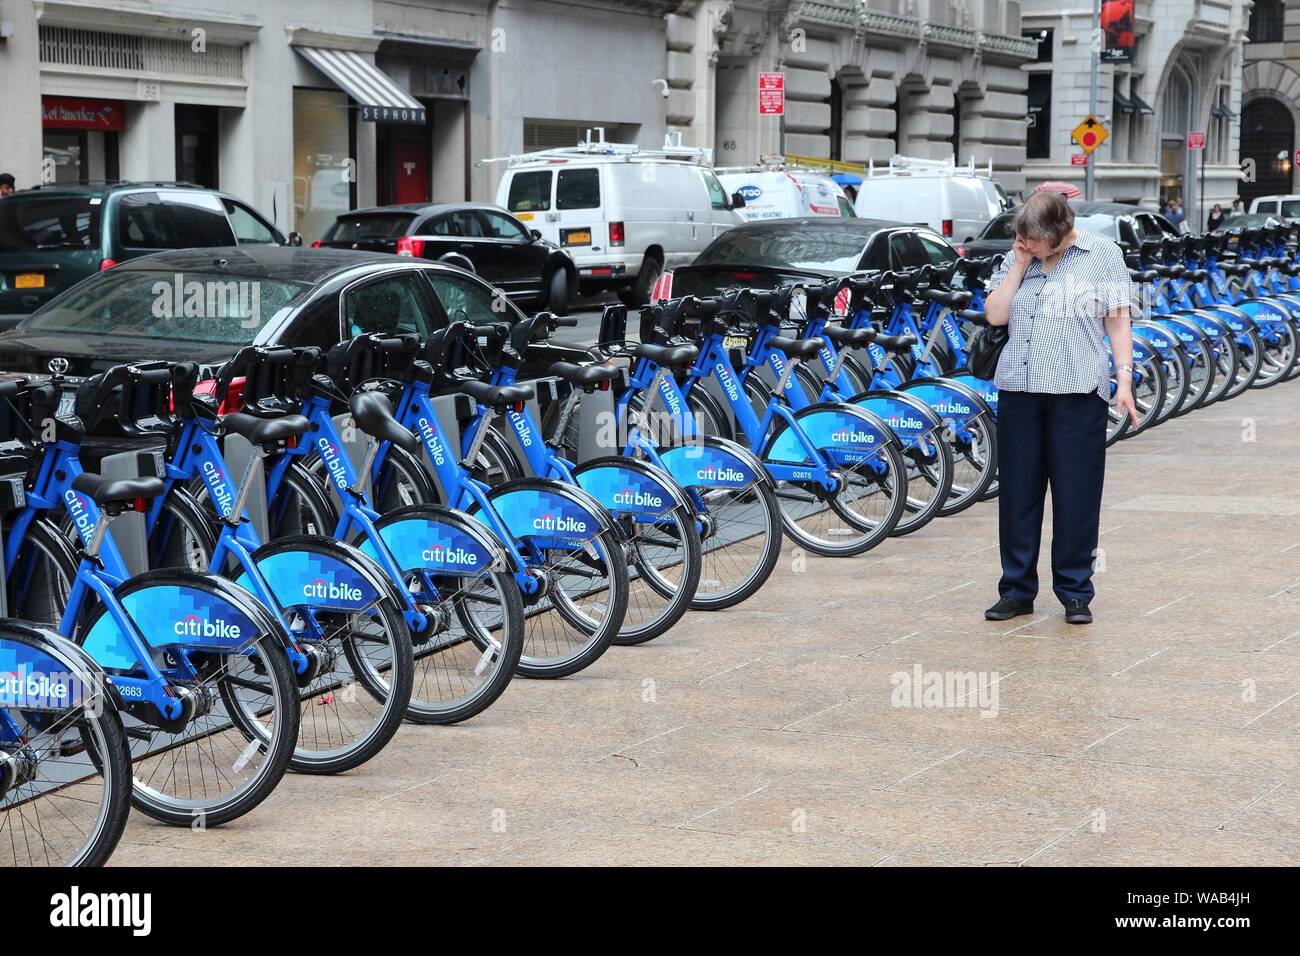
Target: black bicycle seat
796,348
263,431
373,413
583,375
107,491
669,356
953,298
852,338
495,396
896,343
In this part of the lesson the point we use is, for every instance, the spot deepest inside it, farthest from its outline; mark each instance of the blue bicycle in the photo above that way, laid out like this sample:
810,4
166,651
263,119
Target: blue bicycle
202,669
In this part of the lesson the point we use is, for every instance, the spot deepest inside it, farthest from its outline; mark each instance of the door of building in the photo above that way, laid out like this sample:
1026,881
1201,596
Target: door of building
196,145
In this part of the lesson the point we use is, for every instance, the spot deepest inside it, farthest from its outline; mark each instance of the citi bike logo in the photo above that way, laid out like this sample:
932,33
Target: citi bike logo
19,687
333,462
453,556
639,499
954,407
194,626
552,522
728,382
853,436
904,421
431,440
719,473
522,430
669,391
77,509
219,486
320,588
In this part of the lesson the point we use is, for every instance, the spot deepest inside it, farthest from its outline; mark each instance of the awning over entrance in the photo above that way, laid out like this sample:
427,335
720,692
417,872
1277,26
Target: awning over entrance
380,98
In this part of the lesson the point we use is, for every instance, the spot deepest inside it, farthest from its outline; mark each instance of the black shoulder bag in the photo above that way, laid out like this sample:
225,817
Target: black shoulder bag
985,349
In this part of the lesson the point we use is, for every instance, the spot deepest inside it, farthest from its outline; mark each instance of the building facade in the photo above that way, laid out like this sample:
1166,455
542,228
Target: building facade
1270,101
1185,77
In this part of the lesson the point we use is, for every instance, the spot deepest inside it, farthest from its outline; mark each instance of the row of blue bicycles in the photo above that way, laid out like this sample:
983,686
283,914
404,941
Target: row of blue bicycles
395,529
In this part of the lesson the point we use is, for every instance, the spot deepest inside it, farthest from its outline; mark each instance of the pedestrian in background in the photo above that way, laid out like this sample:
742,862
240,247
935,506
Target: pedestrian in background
1060,291
1175,214
1216,218
7,186
1237,206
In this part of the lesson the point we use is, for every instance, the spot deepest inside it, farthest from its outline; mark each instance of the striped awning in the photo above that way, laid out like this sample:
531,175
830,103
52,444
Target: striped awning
380,99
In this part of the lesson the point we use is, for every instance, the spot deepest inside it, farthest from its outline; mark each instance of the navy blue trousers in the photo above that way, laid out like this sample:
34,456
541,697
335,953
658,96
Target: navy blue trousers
1056,441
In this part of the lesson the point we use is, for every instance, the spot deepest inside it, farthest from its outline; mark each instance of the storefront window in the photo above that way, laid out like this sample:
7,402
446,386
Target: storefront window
323,171
79,141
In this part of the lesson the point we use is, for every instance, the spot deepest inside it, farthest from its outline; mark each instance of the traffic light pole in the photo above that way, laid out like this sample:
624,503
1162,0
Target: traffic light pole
1089,175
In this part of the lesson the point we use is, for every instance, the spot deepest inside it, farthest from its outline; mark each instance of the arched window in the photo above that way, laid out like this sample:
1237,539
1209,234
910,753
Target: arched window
1266,21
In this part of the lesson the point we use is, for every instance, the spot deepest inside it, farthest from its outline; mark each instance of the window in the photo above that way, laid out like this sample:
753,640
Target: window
318,325
904,251
500,226
324,175
578,189
368,228
799,246
936,250
1038,140
150,221
717,195
846,207
464,299
876,258
1003,227
390,306
1045,40
530,192
36,223
1266,21
466,225
249,229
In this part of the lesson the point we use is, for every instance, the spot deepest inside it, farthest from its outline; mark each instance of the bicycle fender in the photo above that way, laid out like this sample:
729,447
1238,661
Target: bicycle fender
630,486
41,671
985,389
317,572
556,514
907,416
849,432
436,538
954,402
711,462
179,608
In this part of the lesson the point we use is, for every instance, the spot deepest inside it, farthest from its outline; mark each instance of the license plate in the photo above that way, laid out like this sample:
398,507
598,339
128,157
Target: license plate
735,342
29,280
67,402
575,237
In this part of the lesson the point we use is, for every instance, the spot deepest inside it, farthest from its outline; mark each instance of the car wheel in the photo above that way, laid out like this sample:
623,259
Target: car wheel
639,294
557,294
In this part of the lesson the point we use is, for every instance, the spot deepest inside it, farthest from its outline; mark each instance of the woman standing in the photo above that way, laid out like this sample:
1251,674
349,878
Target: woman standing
1061,290
1216,218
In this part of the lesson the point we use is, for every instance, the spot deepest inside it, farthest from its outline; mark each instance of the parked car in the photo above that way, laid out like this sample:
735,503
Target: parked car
51,237
785,194
1237,221
623,212
996,239
955,201
779,252
1284,207
478,237
251,295
1128,225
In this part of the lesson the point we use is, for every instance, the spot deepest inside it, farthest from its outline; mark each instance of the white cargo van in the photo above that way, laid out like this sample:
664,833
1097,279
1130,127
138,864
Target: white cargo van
623,212
955,201
1284,207
785,193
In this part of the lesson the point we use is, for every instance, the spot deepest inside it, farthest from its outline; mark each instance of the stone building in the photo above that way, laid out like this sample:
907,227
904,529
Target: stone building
1270,99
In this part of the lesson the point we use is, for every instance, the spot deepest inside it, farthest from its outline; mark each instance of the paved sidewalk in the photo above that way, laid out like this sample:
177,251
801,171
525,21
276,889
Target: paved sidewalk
1166,733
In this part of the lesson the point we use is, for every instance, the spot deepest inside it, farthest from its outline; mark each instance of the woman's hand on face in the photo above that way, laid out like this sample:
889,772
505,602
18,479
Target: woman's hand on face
1124,403
1021,249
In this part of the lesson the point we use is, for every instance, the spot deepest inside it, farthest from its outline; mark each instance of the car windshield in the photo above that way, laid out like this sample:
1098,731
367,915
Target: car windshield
1003,227
362,228
1100,223
1291,208
188,307
790,247
36,223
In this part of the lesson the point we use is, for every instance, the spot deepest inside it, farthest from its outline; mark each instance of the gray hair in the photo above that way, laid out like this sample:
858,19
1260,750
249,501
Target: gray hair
1045,215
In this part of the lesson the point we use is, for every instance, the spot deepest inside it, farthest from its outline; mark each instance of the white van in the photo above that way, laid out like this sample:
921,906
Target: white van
956,202
623,212
1284,207
785,194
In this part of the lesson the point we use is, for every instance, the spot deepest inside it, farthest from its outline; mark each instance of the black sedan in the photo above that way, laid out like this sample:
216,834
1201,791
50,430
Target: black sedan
479,238
776,252
997,238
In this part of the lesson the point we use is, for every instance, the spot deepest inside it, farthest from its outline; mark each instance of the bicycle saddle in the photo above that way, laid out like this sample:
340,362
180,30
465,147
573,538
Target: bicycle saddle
496,396
953,298
583,374
1196,275
373,413
1144,275
796,348
853,338
669,356
973,315
106,491
896,343
263,431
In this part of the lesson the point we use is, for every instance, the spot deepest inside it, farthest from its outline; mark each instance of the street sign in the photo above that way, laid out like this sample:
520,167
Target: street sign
1078,159
1195,139
771,94
1090,134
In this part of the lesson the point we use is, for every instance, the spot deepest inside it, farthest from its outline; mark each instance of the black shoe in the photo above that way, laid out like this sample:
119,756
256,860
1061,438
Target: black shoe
1006,609
1076,612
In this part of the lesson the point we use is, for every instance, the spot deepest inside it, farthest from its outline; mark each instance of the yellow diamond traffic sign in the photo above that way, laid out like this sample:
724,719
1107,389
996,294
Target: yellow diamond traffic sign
1089,134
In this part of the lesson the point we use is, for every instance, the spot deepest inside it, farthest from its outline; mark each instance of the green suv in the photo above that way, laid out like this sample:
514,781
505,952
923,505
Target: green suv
52,237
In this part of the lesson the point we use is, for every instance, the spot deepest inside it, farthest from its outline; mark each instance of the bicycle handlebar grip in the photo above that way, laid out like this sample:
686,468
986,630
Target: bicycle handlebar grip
566,321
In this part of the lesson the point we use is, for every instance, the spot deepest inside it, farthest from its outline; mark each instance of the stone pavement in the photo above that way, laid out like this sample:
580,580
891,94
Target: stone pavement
861,711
